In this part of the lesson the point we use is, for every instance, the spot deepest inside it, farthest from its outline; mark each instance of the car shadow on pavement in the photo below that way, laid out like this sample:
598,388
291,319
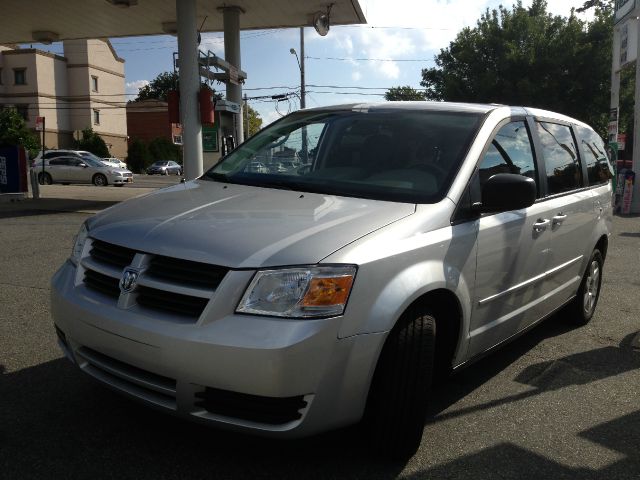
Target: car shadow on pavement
48,206
507,460
576,369
57,423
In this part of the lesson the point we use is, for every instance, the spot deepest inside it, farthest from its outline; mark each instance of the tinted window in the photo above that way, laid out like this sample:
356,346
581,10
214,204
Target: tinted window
58,161
75,162
560,157
595,156
510,152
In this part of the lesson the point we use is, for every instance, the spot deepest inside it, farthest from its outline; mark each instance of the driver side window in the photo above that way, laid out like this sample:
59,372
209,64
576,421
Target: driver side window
510,152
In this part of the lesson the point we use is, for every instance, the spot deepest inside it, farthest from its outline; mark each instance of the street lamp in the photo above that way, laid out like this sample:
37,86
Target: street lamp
300,60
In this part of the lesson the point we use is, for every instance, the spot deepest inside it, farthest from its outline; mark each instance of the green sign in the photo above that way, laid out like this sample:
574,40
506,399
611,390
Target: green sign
210,138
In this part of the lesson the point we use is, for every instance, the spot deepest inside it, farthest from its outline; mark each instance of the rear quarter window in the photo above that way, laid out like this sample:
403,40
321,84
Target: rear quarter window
599,169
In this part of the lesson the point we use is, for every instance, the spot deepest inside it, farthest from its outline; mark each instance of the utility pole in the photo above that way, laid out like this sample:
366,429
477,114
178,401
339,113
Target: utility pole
302,87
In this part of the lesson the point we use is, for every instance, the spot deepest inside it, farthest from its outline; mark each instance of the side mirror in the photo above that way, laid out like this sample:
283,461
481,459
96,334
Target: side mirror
83,165
507,191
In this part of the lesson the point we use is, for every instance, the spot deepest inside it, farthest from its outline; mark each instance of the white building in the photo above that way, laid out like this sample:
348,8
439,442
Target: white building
84,88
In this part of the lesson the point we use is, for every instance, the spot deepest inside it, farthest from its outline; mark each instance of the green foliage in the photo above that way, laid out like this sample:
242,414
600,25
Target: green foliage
14,131
159,87
255,122
138,157
92,142
161,148
526,56
403,94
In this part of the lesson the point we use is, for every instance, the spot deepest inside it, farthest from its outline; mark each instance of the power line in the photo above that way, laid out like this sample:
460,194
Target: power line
346,59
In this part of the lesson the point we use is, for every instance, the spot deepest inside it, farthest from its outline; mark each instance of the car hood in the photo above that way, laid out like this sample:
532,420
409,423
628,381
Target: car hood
241,226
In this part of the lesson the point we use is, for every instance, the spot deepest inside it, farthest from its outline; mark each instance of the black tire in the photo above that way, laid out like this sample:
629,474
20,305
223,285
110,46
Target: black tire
581,309
397,404
44,179
99,180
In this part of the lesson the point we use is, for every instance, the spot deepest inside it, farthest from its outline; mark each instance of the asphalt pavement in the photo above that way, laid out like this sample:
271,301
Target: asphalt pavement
558,403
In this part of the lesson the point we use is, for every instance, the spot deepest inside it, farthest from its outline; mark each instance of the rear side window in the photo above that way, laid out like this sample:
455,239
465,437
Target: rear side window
58,161
560,157
510,152
599,169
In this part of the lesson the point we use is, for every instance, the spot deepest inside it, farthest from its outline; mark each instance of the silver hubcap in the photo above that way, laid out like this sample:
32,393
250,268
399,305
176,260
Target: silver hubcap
591,287
99,180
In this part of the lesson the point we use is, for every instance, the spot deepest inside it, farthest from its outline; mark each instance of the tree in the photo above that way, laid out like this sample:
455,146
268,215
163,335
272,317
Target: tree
138,156
526,56
161,148
14,132
92,142
159,87
404,94
255,122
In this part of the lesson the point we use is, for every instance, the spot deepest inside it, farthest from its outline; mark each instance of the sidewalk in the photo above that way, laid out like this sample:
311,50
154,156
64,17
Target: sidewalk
70,198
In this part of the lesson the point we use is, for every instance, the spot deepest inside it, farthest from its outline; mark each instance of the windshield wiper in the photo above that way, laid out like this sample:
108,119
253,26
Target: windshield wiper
218,177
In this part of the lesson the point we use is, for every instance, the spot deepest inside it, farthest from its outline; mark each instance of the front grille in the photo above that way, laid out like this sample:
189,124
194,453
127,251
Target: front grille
186,272
254,408
163,300
111,254
127,174
153,388
102,283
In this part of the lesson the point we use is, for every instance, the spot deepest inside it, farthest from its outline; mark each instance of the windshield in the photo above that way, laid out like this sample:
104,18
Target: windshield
160,164
396,155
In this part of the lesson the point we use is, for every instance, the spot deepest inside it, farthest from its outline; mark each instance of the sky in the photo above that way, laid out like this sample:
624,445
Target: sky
390,50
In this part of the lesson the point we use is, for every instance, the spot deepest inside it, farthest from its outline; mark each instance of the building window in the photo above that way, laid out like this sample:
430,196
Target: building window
96,117
94,83
23,111
20,76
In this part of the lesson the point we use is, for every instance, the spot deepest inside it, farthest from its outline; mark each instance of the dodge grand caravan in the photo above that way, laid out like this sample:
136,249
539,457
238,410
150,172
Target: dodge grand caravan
407,240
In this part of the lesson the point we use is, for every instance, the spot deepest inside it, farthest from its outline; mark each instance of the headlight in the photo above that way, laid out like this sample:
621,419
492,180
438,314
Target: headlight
78,245
303,292
115,172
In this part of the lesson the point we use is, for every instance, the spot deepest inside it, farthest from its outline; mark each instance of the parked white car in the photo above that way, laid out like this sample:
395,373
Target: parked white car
116,162
419,237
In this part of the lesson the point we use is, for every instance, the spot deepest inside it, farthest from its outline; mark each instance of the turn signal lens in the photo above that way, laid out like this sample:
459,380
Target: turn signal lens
328,291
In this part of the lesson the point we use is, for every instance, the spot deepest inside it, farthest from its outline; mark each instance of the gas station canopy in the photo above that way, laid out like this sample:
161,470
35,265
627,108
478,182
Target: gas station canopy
25,21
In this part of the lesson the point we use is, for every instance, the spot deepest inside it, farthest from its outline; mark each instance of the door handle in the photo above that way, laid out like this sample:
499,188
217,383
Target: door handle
541,225
558,219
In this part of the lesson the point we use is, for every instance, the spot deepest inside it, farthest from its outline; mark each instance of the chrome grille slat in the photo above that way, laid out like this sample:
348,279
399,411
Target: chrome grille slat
111,254
102,283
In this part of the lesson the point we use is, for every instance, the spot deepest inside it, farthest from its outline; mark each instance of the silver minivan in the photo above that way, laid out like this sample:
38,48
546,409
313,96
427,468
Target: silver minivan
410,239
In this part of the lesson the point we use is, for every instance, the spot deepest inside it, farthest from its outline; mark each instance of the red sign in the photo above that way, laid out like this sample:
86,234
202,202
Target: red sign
39,123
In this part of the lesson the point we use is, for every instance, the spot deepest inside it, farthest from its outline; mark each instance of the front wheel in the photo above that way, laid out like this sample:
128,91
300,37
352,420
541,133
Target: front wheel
582,308
397,403
99,180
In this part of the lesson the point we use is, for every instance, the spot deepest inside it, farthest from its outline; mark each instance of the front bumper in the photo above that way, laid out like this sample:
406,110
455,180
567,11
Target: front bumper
308,378
118,180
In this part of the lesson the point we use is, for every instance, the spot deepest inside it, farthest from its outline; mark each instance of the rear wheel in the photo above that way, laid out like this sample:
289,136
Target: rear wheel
397,404
99,180
582,308
44,179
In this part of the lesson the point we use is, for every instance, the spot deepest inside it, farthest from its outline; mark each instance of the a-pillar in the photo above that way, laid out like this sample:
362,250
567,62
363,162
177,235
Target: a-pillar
231,19
189,77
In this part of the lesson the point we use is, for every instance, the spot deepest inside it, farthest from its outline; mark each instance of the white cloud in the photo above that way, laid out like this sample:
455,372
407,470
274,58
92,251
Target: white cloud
132,88
212,42
356,76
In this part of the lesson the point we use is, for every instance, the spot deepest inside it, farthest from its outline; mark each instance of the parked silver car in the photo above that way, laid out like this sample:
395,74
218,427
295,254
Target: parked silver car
418,237
82,170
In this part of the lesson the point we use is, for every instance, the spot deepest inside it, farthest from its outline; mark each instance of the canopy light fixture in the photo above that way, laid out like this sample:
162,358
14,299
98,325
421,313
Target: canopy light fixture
46,37
123,3
322,21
